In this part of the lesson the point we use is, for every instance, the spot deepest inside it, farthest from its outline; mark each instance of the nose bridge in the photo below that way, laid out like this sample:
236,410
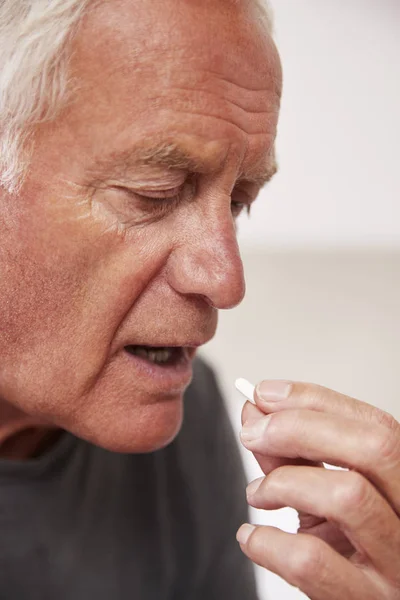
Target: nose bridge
209,264
225,261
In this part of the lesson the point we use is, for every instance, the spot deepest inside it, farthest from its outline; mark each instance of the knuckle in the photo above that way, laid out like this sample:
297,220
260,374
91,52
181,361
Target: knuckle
307,558
277,479
352,493
387,420
276,422
283,428
384,445
312,393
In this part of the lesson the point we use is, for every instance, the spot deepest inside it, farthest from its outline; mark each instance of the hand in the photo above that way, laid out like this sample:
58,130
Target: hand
348,543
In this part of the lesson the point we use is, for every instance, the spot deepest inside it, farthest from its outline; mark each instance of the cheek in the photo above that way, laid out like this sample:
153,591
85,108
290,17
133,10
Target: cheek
42,300
58,315
58,268
43,274
64,293
37,295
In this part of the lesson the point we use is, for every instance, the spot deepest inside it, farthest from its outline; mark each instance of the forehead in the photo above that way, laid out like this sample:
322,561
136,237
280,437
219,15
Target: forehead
225,38
172,68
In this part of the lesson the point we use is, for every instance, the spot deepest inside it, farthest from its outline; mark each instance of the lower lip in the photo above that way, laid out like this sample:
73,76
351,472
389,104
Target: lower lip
168,379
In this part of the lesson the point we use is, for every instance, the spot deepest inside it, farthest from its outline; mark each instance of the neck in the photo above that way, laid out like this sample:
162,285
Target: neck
22,436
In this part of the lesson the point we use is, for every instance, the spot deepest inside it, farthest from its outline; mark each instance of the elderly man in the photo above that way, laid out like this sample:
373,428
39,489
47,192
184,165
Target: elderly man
133,133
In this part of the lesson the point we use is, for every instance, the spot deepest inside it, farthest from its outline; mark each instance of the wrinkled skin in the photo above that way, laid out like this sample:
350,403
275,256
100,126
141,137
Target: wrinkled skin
87,265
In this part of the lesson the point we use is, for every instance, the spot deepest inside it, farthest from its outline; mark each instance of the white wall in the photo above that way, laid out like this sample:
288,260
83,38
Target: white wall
338,142
330,318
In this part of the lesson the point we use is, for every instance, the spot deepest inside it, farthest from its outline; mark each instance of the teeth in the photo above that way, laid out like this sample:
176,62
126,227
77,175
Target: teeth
160,356
142,352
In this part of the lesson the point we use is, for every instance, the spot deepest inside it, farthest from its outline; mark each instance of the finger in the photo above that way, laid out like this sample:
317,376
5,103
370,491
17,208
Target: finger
325,530
252,414
272,396
369,448
328,532
305,562
342,497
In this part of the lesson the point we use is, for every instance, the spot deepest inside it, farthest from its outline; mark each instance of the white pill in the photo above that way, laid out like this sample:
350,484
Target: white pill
246,388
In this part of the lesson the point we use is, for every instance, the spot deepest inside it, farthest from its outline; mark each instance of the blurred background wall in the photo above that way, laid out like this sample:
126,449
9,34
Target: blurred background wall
322,248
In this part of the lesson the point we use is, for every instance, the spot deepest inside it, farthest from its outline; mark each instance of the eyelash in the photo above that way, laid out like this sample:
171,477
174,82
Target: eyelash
237,208
165,203
242,206
172,201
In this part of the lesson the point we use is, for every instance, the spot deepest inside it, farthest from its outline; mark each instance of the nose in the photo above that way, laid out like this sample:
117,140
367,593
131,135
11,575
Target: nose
208,264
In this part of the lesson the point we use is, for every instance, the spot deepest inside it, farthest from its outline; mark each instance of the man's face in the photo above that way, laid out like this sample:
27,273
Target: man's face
123,236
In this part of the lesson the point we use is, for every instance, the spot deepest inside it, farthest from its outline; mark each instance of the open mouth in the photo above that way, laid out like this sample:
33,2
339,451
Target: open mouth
161,356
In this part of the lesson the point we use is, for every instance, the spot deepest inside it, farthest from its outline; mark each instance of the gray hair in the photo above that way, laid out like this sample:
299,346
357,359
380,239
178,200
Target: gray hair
34,39
34,36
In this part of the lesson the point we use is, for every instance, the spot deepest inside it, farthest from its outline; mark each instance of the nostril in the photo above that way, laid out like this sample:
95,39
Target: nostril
206,299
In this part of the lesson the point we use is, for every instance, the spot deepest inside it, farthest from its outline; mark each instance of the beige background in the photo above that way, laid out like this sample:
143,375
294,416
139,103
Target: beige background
339,130
328,317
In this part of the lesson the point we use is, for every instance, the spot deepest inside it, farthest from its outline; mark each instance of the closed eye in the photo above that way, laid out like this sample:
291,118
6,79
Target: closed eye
242,199
163,201
161,196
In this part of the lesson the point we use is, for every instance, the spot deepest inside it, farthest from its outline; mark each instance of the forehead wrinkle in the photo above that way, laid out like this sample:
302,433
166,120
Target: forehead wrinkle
259,108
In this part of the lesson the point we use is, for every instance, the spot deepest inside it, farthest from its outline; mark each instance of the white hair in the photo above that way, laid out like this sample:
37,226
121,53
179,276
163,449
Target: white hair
34,36
34,40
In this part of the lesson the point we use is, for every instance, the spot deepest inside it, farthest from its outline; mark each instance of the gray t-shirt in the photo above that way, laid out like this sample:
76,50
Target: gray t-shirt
82,523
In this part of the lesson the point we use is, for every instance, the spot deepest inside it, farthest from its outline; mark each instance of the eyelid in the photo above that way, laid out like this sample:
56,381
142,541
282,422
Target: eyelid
150,194
157,194
248,187
244,194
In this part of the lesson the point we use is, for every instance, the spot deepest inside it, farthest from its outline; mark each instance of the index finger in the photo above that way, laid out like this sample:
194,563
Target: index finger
277,395
251,414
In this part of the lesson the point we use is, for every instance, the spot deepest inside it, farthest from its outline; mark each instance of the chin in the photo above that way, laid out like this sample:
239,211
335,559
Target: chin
142,430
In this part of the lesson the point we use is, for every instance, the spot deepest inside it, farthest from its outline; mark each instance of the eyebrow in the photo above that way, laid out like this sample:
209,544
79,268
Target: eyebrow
261,177
174,156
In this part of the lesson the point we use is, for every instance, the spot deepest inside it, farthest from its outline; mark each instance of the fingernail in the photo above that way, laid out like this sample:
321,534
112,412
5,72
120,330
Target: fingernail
244,533
253,487
273,391
255,431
